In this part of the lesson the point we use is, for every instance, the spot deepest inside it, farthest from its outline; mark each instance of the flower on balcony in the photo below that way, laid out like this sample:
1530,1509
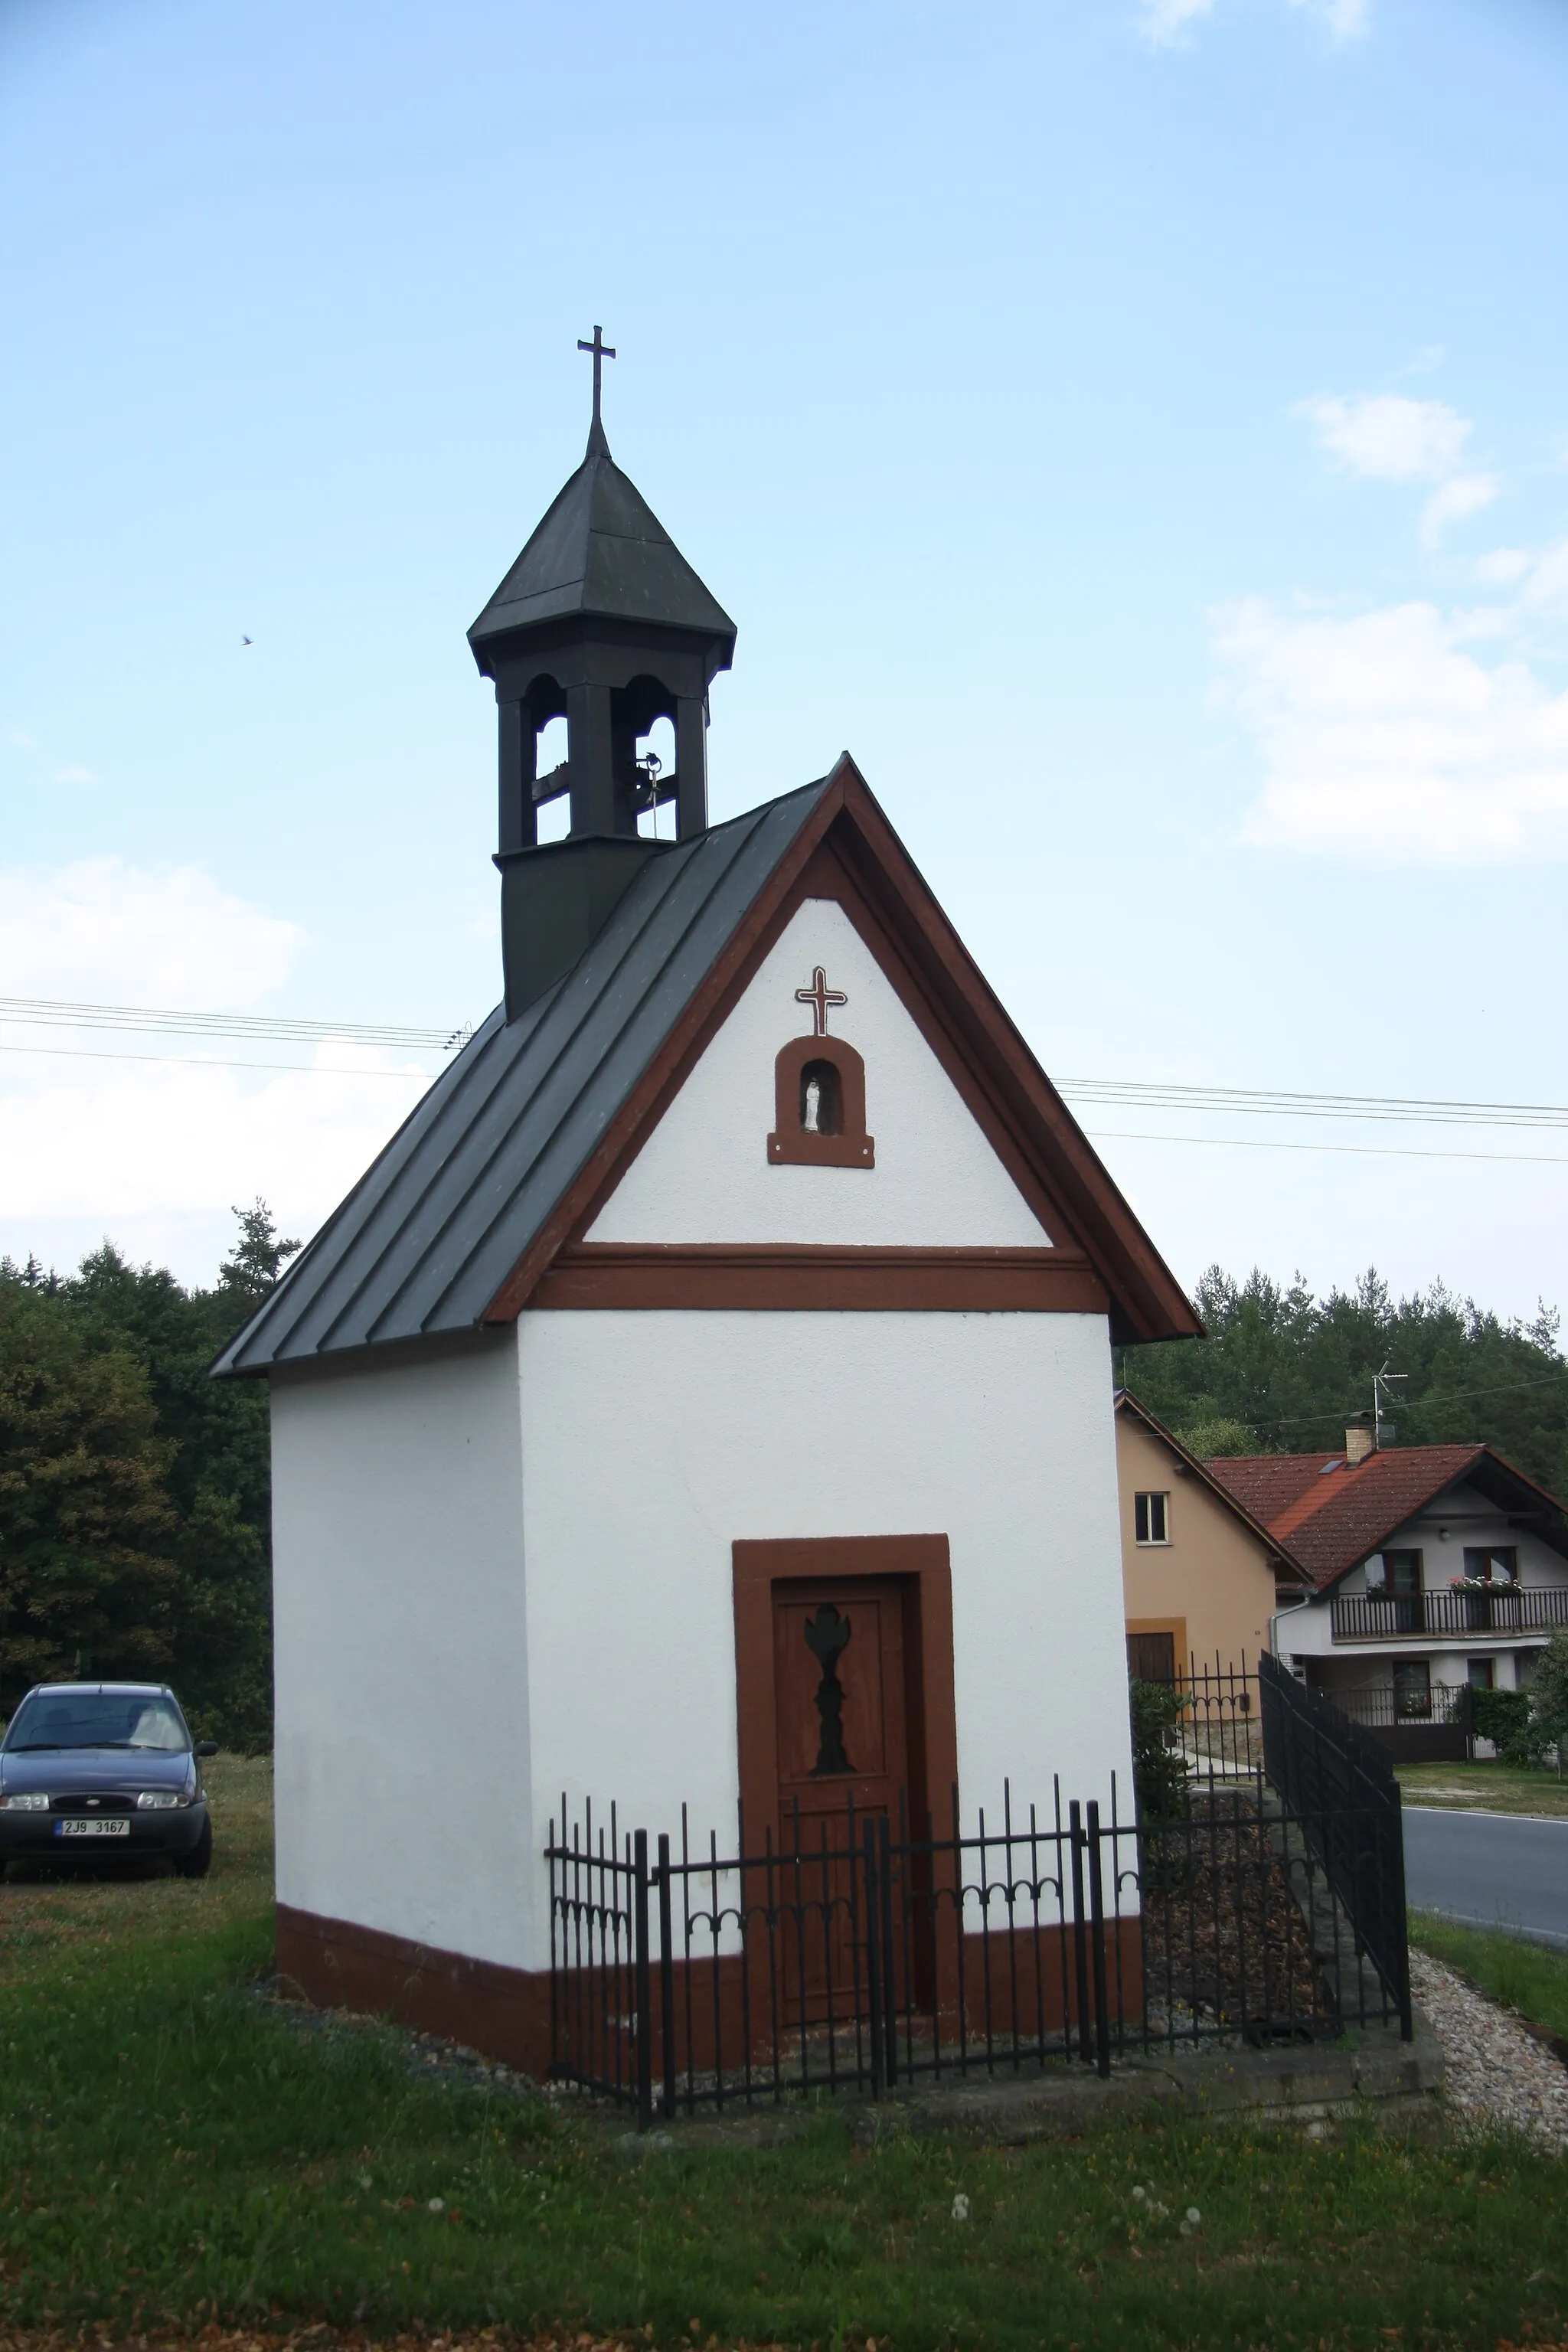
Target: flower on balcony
1472,1584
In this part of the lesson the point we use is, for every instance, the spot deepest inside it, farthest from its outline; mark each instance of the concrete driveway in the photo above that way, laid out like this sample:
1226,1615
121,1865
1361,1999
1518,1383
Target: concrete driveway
1489,1869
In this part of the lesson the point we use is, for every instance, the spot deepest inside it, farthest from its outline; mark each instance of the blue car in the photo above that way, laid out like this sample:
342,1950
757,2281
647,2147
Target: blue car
99,1768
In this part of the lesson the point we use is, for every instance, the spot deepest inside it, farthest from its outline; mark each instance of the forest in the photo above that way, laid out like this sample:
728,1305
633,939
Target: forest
133,1489
1282,1372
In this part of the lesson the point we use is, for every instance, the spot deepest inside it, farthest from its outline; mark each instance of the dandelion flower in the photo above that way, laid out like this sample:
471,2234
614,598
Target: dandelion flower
961,2207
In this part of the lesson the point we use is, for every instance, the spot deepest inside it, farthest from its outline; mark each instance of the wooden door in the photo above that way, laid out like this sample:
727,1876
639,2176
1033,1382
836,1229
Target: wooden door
843,1734
1152,1657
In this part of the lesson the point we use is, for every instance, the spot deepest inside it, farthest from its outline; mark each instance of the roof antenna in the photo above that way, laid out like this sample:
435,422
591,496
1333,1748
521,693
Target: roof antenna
1383,1384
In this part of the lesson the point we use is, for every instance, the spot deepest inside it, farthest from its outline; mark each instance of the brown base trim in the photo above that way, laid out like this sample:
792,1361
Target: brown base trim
337,1964
805,1278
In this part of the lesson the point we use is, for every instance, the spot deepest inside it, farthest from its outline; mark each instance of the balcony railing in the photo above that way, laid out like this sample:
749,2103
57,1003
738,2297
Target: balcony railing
1502,1610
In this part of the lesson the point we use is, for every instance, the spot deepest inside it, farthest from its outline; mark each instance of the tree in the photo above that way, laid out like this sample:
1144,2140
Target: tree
169,1576
1549,1694
88,1580
248,1275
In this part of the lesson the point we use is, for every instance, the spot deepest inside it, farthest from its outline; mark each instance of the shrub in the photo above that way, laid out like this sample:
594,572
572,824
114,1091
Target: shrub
1159,1767
1505,1718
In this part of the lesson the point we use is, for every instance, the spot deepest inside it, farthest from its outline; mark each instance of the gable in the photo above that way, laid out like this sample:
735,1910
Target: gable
491,1182
704,1172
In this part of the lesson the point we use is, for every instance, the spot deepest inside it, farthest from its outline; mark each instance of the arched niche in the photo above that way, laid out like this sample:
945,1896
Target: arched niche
819,1106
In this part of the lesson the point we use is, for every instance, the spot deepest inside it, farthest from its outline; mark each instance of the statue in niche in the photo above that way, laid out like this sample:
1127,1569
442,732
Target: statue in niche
821,1099
827,1637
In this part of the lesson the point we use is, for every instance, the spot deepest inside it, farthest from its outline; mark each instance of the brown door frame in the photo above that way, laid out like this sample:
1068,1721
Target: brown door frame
922,1564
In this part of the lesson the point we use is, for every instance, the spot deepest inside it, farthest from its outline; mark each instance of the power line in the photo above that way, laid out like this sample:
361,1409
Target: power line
1359,1150
1151,1093
46,1011
213,1062
1260,1102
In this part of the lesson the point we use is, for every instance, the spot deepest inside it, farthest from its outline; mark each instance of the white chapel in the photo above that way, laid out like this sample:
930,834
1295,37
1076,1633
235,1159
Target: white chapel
745,1265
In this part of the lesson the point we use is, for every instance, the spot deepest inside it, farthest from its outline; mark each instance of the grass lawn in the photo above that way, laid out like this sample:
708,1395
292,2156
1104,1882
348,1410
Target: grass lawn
173,2153
1526,1976
1492,1788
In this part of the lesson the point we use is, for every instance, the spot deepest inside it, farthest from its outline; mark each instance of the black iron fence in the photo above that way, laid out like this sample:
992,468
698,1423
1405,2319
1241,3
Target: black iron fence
1491,1609
1339,1784
863,1950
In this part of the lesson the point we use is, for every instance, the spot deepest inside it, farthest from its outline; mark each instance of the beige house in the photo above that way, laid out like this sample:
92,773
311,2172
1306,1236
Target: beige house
1199,1573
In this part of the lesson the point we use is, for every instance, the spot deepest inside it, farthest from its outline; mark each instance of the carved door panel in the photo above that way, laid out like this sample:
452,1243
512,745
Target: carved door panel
843,1757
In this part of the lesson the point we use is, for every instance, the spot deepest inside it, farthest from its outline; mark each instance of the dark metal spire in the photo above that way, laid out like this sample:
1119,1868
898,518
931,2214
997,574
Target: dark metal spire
597,445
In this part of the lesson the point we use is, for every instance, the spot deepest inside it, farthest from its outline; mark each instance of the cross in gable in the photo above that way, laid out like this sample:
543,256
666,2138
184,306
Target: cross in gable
819,996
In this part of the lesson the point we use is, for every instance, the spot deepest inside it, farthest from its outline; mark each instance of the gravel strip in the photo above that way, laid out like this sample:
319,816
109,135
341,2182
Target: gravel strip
1497,2070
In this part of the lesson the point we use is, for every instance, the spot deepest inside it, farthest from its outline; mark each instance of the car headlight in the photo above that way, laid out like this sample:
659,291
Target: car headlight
159,1800
26,1801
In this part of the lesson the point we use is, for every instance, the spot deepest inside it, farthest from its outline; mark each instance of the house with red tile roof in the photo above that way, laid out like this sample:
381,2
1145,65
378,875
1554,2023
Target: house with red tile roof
1426,1570
1200,1575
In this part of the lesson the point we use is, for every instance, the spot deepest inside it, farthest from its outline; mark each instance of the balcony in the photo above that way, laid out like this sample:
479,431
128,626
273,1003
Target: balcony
1504,1609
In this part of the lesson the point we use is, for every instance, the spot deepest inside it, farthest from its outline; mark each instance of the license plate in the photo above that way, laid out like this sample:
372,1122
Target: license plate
74,1829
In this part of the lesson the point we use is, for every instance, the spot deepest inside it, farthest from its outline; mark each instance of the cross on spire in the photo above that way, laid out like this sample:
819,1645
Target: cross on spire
602,351
819,996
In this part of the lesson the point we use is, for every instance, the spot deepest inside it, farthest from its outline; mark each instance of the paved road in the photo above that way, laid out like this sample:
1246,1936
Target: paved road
1489,1869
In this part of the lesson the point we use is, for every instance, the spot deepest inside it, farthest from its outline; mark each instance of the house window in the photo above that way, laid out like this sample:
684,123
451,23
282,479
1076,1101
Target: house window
1491,1563
1395,1574
1480,1674
1412,1690
1152,1519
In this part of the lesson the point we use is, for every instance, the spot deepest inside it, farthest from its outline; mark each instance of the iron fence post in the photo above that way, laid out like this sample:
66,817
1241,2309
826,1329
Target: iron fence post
1400,1917
666,1976
1080,1944
873,1918
644,1996
1097,1915
889,1993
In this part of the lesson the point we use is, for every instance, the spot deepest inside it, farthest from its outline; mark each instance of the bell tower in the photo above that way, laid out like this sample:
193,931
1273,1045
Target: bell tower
601,621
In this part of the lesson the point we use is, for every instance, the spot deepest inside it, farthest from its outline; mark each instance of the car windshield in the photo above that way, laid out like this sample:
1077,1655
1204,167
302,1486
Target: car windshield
98,1720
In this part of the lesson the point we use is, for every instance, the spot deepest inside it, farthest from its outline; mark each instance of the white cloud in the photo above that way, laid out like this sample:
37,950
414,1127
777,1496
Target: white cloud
1170,23
1344,20
154,1152
1383,739
1451,501
1388,437
106,931
154,1155
1167,24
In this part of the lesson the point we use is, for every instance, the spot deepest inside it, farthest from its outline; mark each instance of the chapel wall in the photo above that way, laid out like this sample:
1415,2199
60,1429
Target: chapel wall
653,1441
402,1789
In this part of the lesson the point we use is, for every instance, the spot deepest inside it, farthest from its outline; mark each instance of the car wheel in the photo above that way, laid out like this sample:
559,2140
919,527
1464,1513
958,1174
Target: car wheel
198,1862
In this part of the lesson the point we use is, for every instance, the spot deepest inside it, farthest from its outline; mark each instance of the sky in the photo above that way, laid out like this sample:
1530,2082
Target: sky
1136,429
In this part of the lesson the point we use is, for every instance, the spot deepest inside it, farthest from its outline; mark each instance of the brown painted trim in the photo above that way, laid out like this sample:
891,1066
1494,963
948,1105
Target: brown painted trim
337,1964
784,1277
924,1564
790,1146
1149,1302
978,1045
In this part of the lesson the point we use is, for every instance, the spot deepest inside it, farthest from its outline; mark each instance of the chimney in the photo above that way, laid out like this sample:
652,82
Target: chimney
1359,1444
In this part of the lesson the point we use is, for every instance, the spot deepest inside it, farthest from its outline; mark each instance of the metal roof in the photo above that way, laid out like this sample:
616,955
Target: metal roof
602,549
430,1233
